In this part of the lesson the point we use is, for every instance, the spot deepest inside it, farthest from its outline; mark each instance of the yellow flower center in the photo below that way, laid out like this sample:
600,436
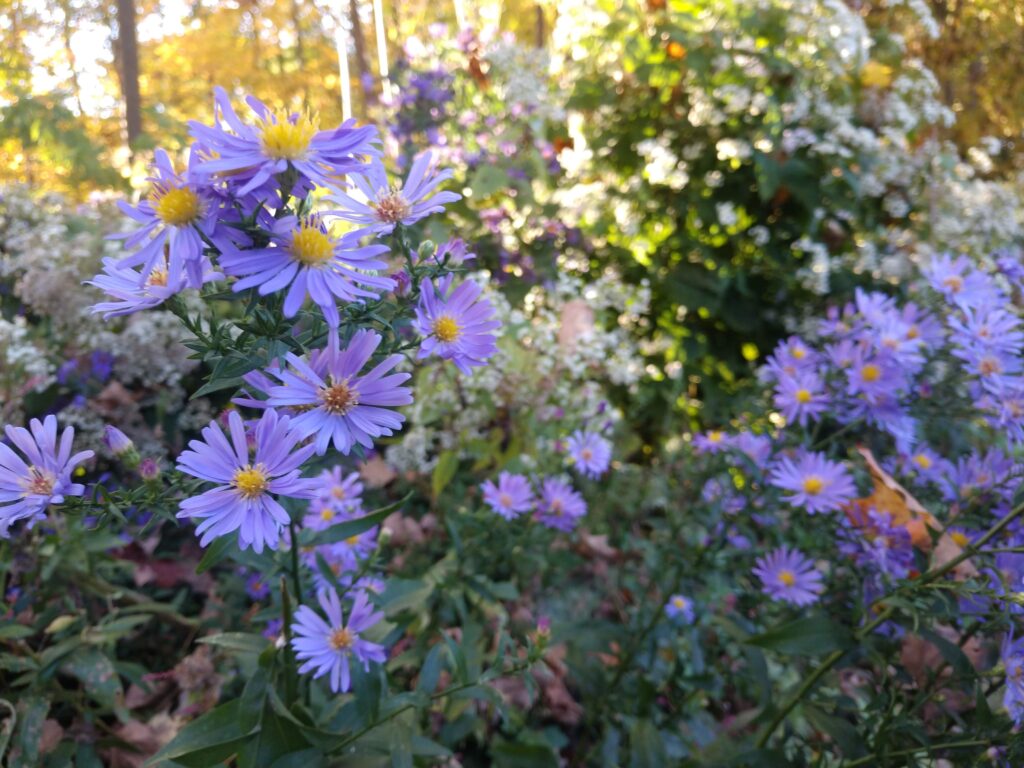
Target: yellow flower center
989,365
787,578
556,507
959,538
679,602
586,454
813,485
714,437
251,481
283,139
327,514
923,461
158,277
310,245
339,398
913,332
446,328
352,540
177,206
803,396
338,492
505,500
799,353
39,483
391,206
341,639
955,283
870,372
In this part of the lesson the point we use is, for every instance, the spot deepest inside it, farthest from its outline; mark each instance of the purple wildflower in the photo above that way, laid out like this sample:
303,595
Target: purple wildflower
327,646
801,397
511,497
389,204
27,489
339,404
680,607
560,506
242,500
712,441
132,291
172,217
250,156
256,587
787,575
309,261
590,452
456,324
814,482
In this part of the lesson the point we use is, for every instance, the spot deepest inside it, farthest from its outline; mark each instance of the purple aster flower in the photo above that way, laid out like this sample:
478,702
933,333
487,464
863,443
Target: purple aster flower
877,544
172,216
250,156
339,404
273,629
712,441
327,646
511,497
680,608
590,452
560,506
456,324
342,557
758,448
242,500
131,291
28,489
337,498
309,261
801,397
256,587
790,356
960,282
116,440
389,204
787,575
814,482
455,251
1012,656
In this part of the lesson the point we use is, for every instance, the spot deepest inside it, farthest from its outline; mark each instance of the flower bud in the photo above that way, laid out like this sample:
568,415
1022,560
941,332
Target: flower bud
426,250
149,470
121,446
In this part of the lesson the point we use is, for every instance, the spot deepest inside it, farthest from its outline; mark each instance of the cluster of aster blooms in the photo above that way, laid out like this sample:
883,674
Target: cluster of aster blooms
932,386
277,207
554,502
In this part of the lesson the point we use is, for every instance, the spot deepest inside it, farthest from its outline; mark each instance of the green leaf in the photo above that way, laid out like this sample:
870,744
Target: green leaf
7,726
217,551
215,736
240,642
99,678
400,594
509,754
812,636
350,528
254,696
11,630
842,731
444,471
430,672
647,748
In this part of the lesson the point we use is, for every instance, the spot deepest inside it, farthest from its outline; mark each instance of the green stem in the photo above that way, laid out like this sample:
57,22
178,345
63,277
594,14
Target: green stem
932,575
514,670
868,759
296,579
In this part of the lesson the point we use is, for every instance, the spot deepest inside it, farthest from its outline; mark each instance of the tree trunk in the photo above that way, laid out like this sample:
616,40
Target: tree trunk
76,88
362,71
128,48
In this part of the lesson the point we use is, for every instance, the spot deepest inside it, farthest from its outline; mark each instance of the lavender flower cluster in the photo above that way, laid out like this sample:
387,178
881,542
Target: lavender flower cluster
274,206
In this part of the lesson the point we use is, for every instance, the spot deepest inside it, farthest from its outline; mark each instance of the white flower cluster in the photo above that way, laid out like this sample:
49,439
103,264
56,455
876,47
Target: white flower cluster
520,77
24,368
47,249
